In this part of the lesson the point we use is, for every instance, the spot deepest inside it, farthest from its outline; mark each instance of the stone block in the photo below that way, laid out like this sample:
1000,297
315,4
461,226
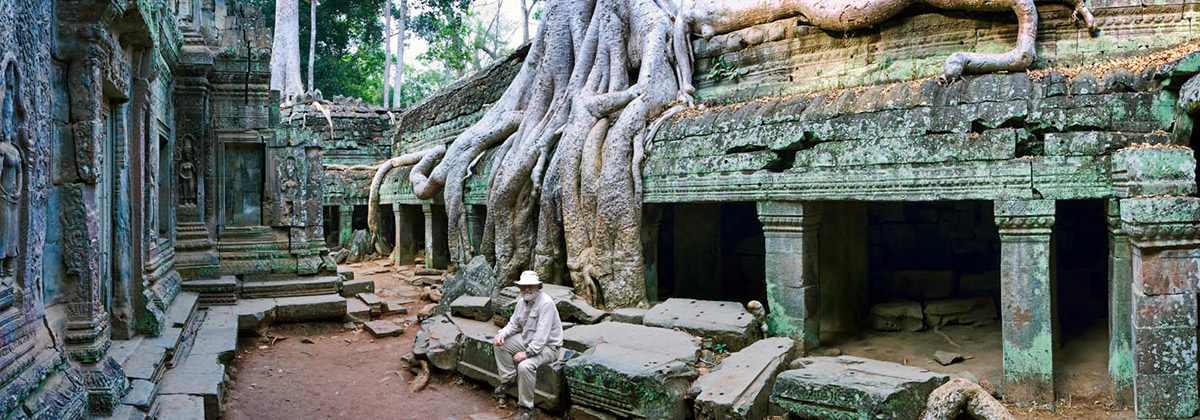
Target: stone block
255,314
628,315
739,387
478,308
849,387
217,336
393,306
904,315
209,387
357,309
145,362
1166,271
978,311
120,412
180,407
354,287
347,275
1164,311
310,308
384,328
373,301
725,322
438,341
182,309
478,361
579,311
1165,396
1153,172
630,382
1164,350
579,412
676,344
141,393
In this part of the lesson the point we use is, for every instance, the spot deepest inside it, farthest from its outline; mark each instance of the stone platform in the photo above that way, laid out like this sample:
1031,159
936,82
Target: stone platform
725,322
854,388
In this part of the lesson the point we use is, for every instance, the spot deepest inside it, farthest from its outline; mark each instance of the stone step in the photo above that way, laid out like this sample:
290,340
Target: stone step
141,394
217,337
200,373
218,291
146,363
120,350
183,309
294,286
179,407
310,308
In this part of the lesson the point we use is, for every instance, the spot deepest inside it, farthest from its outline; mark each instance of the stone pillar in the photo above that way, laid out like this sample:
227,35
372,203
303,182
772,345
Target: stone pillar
437,250
1165,245
790,235
345,223
405,250
1120,285
476,215
1025,300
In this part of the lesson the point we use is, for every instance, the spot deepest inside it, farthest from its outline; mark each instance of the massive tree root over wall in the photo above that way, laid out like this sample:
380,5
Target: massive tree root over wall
572,130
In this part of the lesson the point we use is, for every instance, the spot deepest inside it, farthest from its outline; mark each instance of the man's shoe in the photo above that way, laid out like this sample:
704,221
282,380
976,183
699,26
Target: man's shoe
526,414
502,390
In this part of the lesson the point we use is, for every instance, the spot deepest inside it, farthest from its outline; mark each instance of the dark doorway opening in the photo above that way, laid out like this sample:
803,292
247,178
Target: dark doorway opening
711,252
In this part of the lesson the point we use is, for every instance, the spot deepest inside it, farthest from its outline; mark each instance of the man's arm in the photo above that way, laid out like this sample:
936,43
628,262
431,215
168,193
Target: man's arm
546,311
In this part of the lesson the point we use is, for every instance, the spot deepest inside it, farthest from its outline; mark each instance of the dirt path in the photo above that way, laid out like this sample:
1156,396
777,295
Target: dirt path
346,374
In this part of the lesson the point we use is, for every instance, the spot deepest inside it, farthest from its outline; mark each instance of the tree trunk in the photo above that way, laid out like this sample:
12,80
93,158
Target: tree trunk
285,49
398,76
387,53
312,41
524,22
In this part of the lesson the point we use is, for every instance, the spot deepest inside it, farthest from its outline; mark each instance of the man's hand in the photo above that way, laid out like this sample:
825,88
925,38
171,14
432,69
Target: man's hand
520,357
499,340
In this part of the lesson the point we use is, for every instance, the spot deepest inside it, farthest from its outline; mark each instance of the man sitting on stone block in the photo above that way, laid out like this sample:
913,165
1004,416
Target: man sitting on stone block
531,339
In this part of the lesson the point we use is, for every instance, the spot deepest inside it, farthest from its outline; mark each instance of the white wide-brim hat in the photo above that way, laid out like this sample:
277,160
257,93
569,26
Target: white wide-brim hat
528,278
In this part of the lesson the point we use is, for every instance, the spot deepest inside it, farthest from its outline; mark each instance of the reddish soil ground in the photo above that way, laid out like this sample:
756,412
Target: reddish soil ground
347,374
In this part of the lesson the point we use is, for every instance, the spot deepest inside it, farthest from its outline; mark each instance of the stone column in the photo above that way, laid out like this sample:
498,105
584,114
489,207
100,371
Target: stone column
1025,300
1165,245
437,251
345,223
405,251
790,234
1120,284
475,218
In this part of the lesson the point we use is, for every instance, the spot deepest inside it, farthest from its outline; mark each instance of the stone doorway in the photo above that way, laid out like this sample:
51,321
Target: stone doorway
711,252
243,184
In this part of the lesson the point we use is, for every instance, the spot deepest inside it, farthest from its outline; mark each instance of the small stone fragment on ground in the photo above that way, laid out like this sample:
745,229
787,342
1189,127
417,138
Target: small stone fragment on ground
426,271
427,311
306,340
975,311
578,310
946,358
628,315
384,328
438,342
393,306
960,396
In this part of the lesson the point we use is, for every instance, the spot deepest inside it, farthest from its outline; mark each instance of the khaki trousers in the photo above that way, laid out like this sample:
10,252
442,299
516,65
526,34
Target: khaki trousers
526,371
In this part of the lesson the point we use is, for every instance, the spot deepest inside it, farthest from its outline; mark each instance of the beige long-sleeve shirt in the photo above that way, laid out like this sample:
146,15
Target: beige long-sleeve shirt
538,323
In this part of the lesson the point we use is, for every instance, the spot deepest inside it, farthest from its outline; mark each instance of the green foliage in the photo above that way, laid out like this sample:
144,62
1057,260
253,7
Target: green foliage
419,83
720,348
725,71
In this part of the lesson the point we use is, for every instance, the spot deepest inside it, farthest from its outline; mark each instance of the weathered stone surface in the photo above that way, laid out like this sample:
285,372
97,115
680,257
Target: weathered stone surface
630,382
354,287
851,387
739,387
374,302
310,308
140,394
977,311
438,341
255,314
474,279
628,315
210,387
217,336
395,306
384,328
579,311
357,309
897,316
121,412
1150,171
579,412
675,344
145,362
180,407
478,308
725,322
946,358
478,361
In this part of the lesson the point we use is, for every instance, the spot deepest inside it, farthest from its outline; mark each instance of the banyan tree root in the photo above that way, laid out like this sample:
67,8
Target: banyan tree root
960,396
422,379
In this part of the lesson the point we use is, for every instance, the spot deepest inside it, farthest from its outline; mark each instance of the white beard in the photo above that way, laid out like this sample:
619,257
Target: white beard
529,297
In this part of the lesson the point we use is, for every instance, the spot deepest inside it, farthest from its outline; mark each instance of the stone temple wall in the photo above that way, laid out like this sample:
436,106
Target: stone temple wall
803,122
